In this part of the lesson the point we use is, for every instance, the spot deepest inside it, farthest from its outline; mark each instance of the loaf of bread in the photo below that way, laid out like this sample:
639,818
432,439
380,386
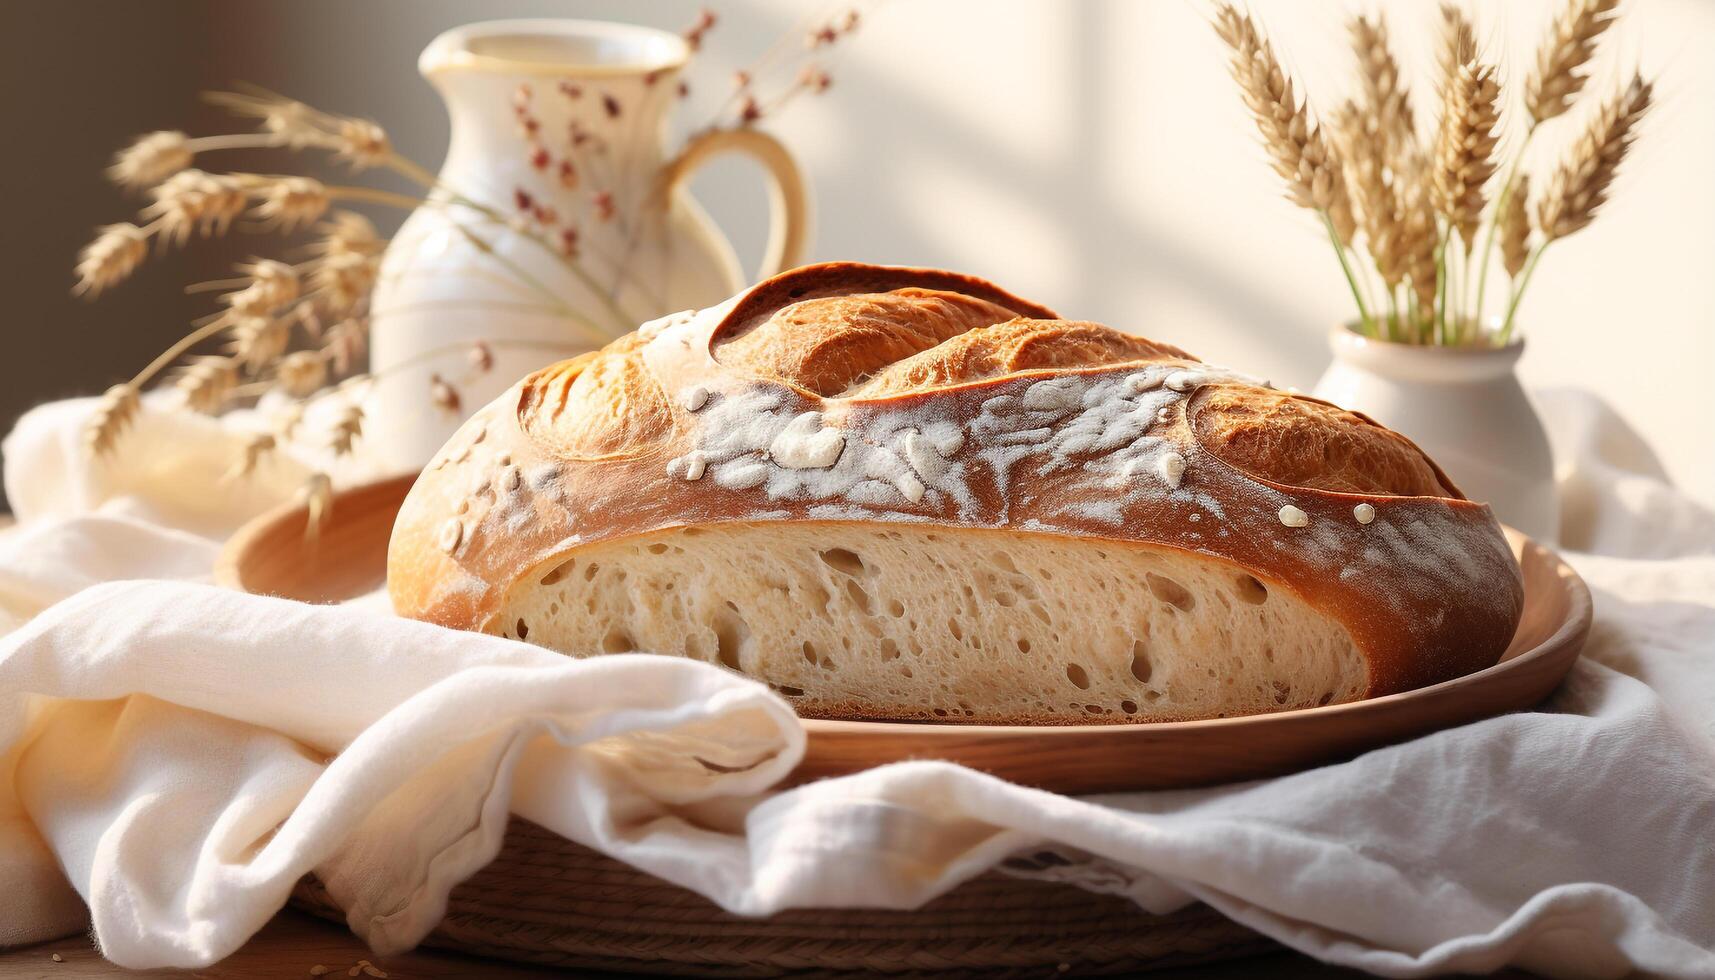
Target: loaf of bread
898,493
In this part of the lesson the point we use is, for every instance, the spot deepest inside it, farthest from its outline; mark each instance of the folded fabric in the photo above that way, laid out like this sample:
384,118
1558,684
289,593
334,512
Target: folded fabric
173,757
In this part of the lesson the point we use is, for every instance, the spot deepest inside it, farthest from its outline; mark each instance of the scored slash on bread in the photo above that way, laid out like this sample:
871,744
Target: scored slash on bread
904,493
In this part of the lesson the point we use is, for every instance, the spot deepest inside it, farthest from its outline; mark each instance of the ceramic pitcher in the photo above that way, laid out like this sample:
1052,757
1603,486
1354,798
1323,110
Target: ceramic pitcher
1464,406
562,220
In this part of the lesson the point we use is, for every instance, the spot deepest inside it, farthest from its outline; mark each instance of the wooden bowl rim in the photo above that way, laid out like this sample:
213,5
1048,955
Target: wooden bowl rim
1566,641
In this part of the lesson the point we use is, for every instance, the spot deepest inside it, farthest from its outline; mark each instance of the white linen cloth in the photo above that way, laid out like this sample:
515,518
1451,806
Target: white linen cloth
174,756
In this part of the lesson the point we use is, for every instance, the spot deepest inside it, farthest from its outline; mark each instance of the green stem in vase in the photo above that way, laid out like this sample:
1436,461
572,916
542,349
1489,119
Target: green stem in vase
1438,316
1364,317
1506,334
1507,188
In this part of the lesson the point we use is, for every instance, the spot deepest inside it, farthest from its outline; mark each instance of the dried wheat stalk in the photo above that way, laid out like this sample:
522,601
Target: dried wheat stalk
1580,186
1409,200
1295,144
113,414
116,252
347,427
1419,242
1465,149
1373,191
316,496
207,383
1387,101
288,203
193,200
1515,228
1458,44
258,341
1559,77
277,303
151,159
255,450
302,373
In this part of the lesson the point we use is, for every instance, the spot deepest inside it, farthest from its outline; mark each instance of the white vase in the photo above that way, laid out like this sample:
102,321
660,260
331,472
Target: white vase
1463,406
555,125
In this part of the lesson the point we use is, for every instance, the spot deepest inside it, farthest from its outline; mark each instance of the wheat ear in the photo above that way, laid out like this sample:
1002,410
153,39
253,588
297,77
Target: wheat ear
1458,45
1465,148
1559,77
1295,144
1515,228
1580,185
1387,101
113,414
1552,87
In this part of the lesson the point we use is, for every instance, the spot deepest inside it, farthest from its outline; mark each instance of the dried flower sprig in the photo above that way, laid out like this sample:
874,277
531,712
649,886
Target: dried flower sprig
1421,212
299,328
785,71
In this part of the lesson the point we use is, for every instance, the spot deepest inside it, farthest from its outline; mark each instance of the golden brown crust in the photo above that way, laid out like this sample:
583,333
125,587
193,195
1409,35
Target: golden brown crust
1305,442
782,405
1008,348
827,344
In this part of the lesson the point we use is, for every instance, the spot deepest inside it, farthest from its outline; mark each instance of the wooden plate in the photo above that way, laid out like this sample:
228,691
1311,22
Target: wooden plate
349,558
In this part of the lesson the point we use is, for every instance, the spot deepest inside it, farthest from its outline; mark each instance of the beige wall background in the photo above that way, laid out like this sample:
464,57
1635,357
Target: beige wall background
1087,153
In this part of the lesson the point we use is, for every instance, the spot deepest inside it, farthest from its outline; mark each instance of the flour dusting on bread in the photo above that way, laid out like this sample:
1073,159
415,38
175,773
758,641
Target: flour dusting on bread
924,426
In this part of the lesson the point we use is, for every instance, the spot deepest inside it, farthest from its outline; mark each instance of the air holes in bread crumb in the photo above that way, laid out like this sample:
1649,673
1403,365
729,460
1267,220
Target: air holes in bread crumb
889,649
657,548
559,573
1024,644
1250,590
1141,668
1129,707
1171,592
858,595
895,608
731,632
617,640
810,653
523,630
818,599
1079,677
590,571
791,692
842,560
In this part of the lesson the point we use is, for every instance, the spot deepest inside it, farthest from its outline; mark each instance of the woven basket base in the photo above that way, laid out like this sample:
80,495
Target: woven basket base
547,900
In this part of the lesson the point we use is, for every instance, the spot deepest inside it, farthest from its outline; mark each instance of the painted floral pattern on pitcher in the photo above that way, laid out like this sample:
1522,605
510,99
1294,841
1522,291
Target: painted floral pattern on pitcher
582,227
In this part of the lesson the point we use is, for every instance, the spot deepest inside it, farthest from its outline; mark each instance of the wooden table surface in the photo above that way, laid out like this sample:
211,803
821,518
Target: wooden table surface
294,943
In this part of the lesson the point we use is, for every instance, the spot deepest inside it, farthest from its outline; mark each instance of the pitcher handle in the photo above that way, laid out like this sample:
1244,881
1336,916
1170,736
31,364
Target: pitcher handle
789,202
